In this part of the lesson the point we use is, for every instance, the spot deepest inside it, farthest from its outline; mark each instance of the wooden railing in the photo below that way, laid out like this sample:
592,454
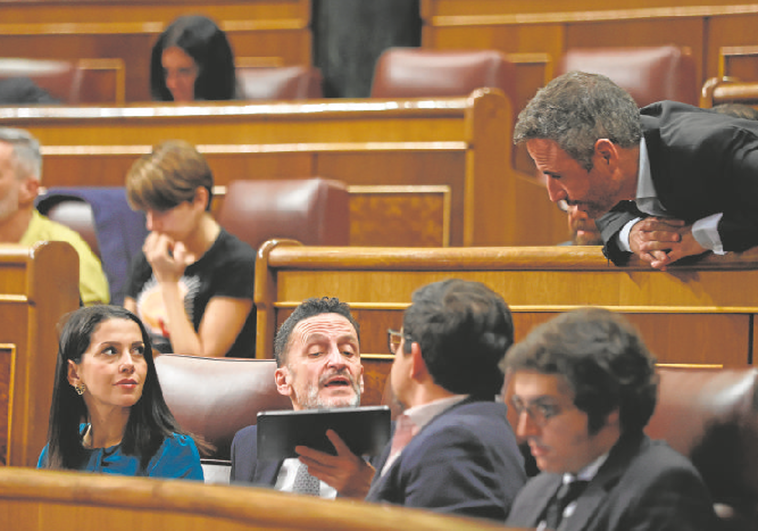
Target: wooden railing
41,500
275,31
702,314
38,285
421,171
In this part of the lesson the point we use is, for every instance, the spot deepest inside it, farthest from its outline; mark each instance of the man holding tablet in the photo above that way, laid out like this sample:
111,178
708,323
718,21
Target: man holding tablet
319,366
453,450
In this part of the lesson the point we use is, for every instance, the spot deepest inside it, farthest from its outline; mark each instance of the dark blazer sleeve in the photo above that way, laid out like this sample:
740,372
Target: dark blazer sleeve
610,226
244,451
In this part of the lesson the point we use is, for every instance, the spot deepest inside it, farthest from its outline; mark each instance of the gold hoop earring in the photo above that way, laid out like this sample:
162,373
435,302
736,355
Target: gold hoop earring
80,388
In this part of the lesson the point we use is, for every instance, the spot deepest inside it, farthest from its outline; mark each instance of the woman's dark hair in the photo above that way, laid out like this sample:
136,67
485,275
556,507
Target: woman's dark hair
200,38
150,420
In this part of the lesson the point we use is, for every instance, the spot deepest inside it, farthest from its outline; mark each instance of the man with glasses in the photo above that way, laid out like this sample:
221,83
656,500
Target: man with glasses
453,450
584,387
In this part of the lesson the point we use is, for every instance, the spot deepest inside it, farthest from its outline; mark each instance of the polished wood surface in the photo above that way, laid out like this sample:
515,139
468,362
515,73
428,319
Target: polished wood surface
447,160
38,285
696,314
277,31
543,31
40,500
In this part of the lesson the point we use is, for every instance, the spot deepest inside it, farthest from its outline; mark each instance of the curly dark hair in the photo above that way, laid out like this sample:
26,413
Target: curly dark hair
603,359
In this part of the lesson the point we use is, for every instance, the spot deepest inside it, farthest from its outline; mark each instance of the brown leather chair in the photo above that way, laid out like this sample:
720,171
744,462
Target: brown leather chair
312,211
61,79
711,416
215,397
280,83
649,74
418,73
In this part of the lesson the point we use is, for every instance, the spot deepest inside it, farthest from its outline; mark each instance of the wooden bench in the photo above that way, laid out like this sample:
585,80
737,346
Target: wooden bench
271,32
421,172
38,285
702,314
535,35
40,500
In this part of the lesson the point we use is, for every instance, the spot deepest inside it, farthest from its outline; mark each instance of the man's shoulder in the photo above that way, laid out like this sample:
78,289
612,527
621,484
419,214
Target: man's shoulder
246,434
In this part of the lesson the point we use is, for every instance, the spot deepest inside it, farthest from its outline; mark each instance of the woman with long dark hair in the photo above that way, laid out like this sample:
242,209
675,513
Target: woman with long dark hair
108,413
192,60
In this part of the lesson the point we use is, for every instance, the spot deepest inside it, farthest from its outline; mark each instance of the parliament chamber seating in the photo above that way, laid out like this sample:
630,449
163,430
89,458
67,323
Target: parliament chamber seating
725,90
312,211
213,398
421,73
82,81
104,219
280,82
648,73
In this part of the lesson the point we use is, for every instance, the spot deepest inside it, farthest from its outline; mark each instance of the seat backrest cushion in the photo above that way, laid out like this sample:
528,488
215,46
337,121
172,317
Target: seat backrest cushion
312,211
280,83
418,73
216,397
711,416
649,74
60,79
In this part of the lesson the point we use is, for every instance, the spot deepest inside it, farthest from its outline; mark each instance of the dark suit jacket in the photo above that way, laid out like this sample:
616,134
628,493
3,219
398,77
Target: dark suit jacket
643,485
245,465
464,461
701,163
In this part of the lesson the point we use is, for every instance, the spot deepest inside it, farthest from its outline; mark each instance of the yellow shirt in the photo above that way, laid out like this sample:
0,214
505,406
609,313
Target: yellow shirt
93,285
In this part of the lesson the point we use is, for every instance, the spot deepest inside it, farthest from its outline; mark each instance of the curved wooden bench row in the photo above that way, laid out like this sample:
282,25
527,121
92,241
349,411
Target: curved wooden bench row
275,32
701,313
39,500
421,172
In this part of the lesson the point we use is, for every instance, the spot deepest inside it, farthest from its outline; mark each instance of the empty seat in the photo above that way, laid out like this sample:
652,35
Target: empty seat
416,73
280,83
312,211
216,397
649,74
60,79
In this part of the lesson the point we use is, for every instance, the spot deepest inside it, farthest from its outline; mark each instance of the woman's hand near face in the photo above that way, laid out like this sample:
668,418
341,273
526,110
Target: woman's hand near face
168,259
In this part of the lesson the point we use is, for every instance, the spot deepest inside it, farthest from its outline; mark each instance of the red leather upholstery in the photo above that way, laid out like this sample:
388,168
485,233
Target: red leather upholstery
416,72
280,83
216,397
711,416
312,211
649,74
61,79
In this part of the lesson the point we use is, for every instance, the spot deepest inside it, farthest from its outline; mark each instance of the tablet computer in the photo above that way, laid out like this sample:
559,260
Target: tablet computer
365,430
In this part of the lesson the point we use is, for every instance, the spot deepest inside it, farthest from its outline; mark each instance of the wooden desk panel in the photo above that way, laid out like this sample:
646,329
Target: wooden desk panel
38,286
462,144
701,314
278,30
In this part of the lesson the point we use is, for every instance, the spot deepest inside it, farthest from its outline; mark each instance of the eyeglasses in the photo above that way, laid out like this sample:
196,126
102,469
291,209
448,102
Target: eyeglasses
394,338
539,412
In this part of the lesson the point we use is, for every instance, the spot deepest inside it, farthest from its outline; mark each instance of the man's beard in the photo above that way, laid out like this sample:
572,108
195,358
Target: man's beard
313,399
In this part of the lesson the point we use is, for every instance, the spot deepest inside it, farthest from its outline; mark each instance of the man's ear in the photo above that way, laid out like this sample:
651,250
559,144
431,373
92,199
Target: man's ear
419,370
360,379
613,418
201,197
281,378
606,151
28,191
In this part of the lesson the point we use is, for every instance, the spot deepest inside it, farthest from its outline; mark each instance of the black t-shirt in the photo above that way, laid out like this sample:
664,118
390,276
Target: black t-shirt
227,269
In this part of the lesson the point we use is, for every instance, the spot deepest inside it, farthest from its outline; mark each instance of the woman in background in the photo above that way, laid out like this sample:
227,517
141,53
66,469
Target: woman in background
191,61
192,285
108,413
